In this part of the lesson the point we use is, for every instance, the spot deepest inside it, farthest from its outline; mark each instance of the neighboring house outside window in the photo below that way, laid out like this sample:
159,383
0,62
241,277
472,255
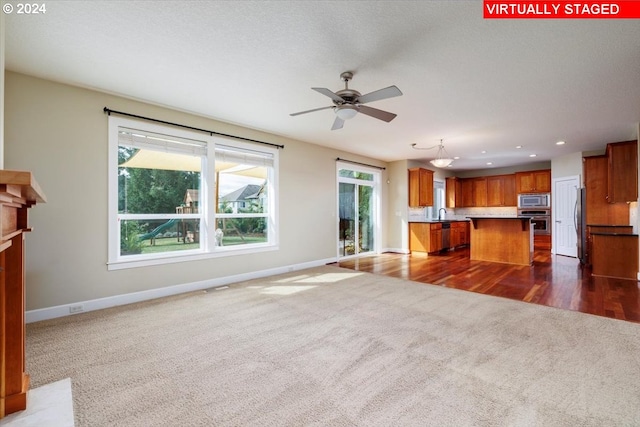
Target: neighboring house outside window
176,195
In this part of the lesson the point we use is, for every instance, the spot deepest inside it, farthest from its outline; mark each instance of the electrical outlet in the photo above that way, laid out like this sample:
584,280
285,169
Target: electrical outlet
73,309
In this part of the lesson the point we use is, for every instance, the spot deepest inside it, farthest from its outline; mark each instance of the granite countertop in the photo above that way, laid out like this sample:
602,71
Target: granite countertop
438,221
602,233
520,217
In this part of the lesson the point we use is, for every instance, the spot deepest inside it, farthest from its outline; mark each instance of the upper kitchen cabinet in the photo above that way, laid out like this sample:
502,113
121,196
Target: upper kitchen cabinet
599,212
454,192
501,190
622,172
533,181
474,192
420,187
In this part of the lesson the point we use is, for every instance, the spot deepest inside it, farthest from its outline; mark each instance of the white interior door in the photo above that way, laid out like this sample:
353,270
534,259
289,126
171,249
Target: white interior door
563,209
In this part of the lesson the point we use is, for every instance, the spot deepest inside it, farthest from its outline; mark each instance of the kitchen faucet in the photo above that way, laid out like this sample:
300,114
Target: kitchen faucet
441,209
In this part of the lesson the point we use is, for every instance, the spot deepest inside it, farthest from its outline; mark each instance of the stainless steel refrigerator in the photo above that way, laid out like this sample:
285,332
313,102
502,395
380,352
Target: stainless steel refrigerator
580,222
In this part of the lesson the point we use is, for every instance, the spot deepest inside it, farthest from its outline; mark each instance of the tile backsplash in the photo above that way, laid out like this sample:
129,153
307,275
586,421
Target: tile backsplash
420,214
486,211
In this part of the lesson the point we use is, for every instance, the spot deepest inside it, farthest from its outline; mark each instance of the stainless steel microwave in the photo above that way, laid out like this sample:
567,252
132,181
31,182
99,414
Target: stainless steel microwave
542,200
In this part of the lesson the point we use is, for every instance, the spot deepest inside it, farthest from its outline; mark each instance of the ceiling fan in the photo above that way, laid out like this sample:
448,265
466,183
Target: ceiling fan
348,102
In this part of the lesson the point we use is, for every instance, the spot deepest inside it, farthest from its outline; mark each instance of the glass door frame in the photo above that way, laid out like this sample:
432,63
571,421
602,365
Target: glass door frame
376,202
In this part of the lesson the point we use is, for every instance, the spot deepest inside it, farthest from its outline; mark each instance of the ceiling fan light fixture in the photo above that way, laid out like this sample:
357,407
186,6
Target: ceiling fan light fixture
346,112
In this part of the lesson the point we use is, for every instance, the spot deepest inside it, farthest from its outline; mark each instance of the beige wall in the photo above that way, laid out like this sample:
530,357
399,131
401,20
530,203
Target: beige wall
398,201
504,171
2,50
569,165
59,133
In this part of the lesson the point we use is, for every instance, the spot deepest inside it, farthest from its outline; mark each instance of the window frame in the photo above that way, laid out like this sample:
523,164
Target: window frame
208,217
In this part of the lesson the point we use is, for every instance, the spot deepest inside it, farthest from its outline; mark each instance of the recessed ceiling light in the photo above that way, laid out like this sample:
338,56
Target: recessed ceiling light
532,155
560,143
518,146
484,152
489,163
456,158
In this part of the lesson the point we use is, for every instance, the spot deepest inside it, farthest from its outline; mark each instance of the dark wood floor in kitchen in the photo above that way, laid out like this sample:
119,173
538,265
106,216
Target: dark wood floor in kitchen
555,281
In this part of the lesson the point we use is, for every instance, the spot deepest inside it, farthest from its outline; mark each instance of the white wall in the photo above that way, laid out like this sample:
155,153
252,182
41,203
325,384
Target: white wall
59,132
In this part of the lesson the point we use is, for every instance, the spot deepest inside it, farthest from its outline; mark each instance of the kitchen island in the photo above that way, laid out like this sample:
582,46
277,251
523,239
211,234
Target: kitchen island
435,236
507,239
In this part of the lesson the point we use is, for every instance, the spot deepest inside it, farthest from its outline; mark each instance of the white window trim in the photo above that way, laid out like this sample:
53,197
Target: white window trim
209,250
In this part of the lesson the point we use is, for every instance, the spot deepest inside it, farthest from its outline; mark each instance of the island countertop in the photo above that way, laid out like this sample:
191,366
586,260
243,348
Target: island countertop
437,221
500,217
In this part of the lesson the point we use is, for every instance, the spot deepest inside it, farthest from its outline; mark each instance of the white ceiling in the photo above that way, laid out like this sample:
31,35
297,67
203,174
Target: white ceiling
478,84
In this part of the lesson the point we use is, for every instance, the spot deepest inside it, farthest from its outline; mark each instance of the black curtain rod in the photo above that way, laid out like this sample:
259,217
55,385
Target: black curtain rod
210,132
358,163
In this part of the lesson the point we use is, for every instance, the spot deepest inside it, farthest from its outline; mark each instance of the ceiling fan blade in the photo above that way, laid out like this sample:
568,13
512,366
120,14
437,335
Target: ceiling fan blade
337,123
378,114
311,111
388,92
328,93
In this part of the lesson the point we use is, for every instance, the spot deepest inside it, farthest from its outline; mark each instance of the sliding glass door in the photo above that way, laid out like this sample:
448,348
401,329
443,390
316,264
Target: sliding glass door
358,202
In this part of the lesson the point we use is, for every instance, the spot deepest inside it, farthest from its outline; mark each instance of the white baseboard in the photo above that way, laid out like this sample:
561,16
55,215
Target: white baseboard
116,300
397,251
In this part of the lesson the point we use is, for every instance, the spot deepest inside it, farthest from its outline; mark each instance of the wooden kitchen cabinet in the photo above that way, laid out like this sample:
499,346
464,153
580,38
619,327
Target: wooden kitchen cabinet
459,234
419,237
420,187
435,243
622,177
606,229
454,236
598,210
465,234
466,186
453,192
615,256
474,192
501,190
533,181
427,236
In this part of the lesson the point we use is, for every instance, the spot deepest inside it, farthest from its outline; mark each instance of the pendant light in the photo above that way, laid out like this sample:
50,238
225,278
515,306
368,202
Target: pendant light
442,160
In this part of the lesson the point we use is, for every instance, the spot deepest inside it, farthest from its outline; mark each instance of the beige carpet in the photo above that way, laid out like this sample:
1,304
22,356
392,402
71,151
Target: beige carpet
336,347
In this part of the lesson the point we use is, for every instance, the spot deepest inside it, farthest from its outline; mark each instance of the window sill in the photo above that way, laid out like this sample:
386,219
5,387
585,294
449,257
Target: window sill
143,261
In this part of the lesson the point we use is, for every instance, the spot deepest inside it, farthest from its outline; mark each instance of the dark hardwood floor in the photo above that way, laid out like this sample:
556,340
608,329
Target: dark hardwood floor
555,281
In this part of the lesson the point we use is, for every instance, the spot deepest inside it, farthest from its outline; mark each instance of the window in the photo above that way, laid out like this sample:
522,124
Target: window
242,199
438,200
177,195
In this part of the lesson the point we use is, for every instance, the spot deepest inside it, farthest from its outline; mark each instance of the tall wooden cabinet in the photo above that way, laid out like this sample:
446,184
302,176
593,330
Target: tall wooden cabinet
622,177
420,187
18,192
598,210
